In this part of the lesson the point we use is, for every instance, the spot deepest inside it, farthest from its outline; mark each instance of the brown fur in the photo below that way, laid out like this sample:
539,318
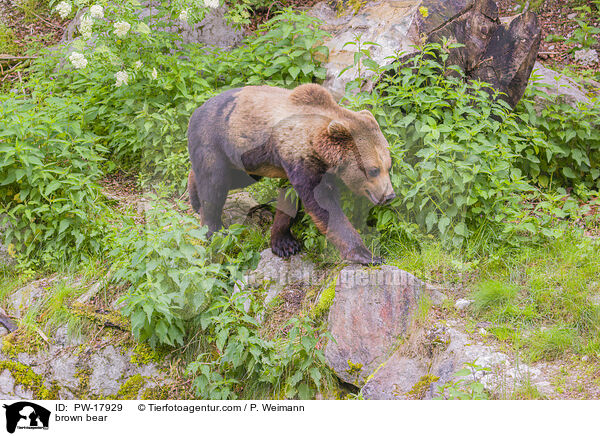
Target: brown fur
302,135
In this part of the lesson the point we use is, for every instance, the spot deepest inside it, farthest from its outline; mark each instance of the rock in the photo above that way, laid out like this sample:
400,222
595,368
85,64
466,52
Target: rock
502,54
214,31
108,367
7,383
64,371
371,311
241,208
23,393
586,57
276,273
20,300
395,379
428,360
437,297
462,304
90,293
556,84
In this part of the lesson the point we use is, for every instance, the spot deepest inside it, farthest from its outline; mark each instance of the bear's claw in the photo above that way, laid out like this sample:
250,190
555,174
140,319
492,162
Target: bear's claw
285,246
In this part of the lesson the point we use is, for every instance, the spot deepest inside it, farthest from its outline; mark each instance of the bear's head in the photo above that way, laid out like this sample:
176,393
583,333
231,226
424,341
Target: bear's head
363,162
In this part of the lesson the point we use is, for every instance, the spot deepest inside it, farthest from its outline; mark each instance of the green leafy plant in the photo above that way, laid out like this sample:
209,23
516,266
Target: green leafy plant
467,387
49,167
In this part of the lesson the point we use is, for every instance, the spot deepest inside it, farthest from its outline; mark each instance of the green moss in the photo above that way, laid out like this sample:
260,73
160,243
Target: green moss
22,340
354,370
110,319
157,393
325,300
83,375
353,5
419,390
131,388
27,378
143,354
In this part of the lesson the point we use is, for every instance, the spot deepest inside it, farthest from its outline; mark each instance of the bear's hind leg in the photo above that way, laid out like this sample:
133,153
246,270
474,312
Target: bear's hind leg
283,243
193,191
209,191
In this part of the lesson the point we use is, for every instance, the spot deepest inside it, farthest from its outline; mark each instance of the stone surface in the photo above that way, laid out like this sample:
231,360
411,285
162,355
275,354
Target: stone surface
462,304
586,57
502,54
213,31
372,311
439,353
275,273
23,298
7,382
241,208
556,84
108,368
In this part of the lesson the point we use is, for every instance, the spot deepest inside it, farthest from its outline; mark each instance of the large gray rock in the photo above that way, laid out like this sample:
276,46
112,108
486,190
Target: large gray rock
213,30
108,368
241,208
557,85
502,54
370,315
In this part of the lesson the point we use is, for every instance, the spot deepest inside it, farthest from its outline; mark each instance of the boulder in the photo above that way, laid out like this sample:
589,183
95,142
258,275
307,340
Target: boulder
500,53
385,343
370,314
557,85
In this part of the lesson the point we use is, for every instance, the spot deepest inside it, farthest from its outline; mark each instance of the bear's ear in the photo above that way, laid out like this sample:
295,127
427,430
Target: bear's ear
367,113
338,130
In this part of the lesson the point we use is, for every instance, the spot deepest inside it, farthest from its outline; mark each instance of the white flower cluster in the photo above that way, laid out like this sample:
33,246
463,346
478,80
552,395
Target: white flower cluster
211,3
121,28
121,78
78,60
154,73
97,11
137,65
183,16
86,26
63,9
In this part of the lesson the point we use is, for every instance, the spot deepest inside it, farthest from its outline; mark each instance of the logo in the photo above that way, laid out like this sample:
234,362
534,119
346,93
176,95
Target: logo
26,415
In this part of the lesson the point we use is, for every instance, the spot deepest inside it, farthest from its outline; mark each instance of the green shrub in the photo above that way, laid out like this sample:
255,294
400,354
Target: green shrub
453,149
48,169
570,149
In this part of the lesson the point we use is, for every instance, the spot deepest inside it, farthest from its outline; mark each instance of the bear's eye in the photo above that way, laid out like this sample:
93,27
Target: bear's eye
373,172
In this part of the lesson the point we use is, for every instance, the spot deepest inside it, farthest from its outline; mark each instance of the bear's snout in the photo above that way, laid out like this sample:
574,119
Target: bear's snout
388,199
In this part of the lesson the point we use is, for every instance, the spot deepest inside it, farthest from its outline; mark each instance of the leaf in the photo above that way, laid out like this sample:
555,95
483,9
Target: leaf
294,71
430,220
568,172
63,225
143,28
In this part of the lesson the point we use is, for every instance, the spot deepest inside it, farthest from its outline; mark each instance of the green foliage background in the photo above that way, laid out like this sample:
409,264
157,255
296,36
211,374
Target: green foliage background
467,171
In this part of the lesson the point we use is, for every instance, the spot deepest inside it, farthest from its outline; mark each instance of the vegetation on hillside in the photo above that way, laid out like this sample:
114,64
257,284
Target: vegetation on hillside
490,202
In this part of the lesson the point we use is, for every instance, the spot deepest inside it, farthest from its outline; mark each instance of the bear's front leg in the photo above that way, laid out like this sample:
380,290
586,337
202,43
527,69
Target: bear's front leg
283,243
320,197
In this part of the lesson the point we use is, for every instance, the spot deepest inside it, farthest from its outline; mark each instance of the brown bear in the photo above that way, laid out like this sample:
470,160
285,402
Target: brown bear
244,134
